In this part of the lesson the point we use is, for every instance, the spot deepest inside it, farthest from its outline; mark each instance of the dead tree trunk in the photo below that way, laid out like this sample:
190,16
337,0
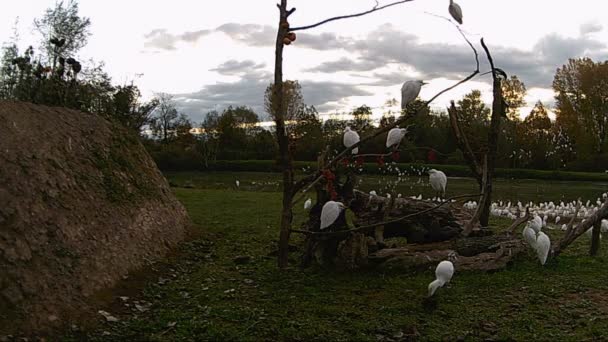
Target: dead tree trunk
595,238
282,138
498,111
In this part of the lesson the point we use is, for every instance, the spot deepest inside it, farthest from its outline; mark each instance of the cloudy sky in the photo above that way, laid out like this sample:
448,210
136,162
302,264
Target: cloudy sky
212,54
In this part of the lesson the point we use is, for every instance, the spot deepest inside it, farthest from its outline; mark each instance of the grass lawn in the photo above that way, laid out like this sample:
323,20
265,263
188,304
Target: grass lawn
204,295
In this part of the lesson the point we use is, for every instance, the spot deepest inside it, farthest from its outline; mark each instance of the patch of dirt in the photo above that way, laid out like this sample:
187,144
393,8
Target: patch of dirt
81,204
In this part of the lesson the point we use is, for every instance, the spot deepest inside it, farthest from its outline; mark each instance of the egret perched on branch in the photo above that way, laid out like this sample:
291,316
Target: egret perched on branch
443,275
330,212
455,11
543,245
410,91
350,138
395,136
308,204
438,181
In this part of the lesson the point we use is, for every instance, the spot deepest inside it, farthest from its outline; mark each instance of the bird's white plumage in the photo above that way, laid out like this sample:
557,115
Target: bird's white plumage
536,223
604,228
350,138
395,136
443,275
330,212
308,204
438,180
237,183
410,91
530,236
455,11
543,245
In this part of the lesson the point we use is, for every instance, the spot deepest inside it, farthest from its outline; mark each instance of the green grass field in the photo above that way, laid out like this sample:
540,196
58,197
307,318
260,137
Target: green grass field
201,294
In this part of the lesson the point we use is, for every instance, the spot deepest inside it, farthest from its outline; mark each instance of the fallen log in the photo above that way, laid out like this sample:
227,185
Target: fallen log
489,254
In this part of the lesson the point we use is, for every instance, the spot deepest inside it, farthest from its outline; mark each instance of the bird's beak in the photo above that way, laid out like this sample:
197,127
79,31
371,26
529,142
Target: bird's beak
423,83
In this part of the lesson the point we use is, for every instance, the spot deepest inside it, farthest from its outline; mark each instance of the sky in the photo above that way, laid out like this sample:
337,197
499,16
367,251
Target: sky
210,55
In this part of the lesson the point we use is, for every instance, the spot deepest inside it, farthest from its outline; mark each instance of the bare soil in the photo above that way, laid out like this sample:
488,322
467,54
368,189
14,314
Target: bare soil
81,204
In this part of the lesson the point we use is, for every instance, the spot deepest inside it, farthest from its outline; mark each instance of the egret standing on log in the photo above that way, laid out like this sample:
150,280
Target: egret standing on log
455,11
443,275
330,212
536,224
350,138
438,181
530,236
410,91
543,245
394,137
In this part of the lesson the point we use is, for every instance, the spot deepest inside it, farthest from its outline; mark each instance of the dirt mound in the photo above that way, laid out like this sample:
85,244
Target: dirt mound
81,204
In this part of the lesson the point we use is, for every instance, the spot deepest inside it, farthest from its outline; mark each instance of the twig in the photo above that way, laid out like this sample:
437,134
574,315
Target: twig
519,221
374,9
571,223
363,228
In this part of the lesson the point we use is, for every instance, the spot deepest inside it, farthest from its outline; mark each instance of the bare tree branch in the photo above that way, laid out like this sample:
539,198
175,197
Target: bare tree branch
519,221
374,9
581,228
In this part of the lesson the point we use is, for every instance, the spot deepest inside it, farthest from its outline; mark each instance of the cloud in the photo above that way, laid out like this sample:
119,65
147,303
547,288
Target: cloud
250,34
388,46
161,39
234,67
249,91
591,27
343,64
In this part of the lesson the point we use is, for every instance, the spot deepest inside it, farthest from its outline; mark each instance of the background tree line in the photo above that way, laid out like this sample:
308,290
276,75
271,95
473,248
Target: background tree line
53,75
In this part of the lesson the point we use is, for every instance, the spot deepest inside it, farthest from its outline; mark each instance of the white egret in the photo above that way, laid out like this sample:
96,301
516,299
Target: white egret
604,228
410,91
557,220
438,181
455,11
330,212
530,236
536,223
237,183
395,136
443,275
543,245
350,138
564,226
308,204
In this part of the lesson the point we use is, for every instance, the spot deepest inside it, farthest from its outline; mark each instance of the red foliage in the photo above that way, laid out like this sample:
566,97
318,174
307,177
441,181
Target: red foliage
359,161
432,156
395,156
380,161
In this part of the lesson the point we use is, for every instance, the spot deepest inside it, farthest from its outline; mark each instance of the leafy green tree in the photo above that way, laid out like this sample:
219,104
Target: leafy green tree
581,88
362,119
514,92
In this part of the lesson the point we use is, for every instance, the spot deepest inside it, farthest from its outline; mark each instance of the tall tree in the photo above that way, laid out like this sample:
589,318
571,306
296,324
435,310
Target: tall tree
164,120
293,101
514,92
581,88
